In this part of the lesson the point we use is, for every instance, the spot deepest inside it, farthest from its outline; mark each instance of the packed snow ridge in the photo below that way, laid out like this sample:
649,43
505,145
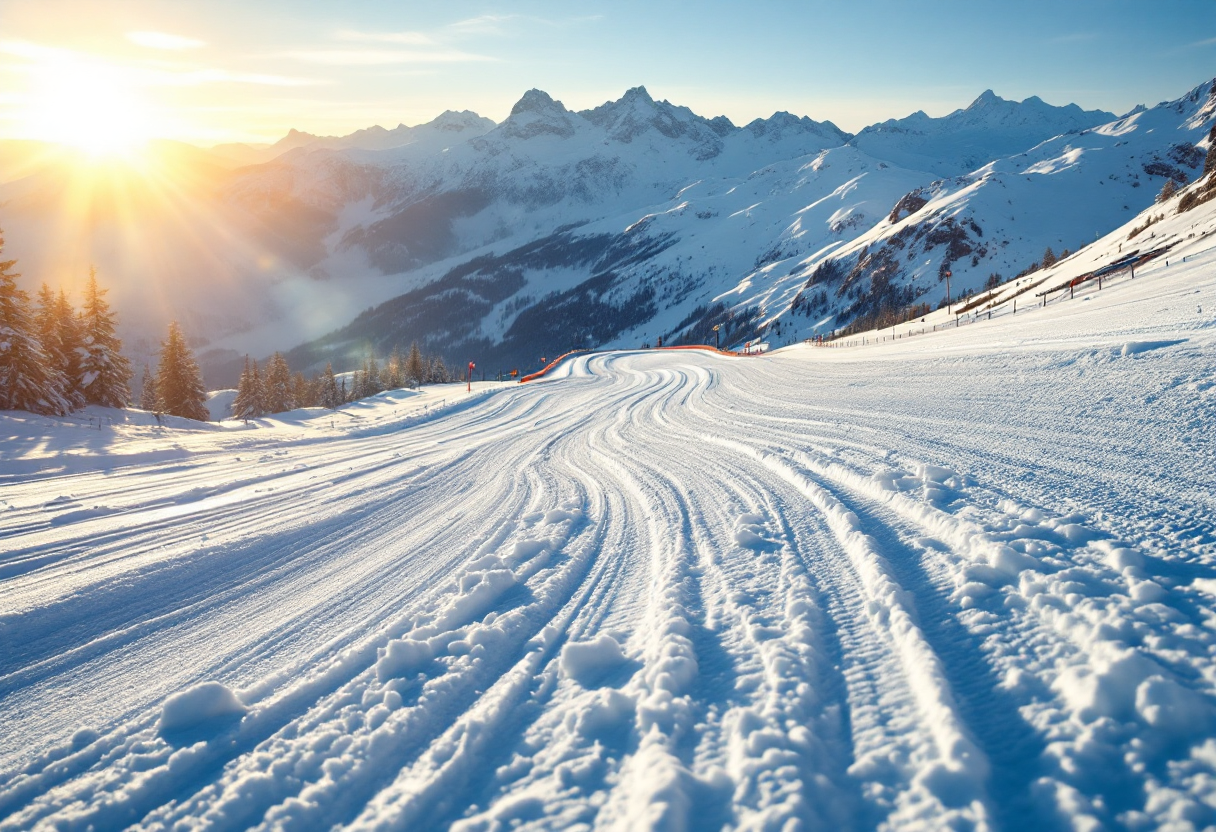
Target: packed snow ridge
959,575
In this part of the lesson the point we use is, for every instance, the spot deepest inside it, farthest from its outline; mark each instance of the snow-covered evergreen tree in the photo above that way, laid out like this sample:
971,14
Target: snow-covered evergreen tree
248,402
330,396
258,385
147,390
46,326
71,345
179,384
393,375
415,369
369,379
279,395
105,372
302,391
25,382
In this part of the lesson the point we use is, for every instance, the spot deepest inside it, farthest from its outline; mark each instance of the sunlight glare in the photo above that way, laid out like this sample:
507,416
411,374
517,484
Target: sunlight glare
92,107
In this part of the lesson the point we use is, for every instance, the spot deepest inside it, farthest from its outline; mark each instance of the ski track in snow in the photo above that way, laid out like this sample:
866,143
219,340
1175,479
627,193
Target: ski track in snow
963,581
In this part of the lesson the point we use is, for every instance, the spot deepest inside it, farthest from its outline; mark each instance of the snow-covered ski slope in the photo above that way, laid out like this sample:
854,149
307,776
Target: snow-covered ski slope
962,580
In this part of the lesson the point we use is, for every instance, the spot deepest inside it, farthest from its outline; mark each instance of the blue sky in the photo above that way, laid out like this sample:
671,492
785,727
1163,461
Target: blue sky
224,70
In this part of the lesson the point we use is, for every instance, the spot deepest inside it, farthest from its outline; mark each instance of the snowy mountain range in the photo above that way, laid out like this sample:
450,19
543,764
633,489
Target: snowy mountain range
635,220
966,139
433,136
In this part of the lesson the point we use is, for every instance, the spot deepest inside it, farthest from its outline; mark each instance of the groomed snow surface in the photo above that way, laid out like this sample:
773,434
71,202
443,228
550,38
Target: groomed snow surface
963,580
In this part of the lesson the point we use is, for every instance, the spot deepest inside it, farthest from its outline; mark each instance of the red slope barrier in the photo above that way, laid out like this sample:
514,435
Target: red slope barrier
550,366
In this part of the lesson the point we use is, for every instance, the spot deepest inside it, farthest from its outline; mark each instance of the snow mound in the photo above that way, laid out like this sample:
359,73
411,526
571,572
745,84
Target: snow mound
750,533
1137,347
207,703
1171,709
586,662
608,714
219,404
403,657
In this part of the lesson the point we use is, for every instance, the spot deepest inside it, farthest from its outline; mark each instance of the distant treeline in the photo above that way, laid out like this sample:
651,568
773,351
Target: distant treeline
276,388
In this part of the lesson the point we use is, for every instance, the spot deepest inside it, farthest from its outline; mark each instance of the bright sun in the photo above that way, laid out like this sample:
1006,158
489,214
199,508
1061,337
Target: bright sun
91,107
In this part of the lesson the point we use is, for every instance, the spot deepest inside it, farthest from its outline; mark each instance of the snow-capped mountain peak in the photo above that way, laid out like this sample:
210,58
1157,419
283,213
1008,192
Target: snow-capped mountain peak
459,121
539,102
637,95
985,99
722,125
782,124
636,113
537,114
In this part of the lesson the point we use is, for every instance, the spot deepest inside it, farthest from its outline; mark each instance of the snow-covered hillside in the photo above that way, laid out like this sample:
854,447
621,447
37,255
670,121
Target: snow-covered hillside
963,580
1000,219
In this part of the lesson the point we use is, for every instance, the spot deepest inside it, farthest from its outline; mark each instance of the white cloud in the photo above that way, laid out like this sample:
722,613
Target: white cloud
482,24
493,24
400,38
383,57
162,40
210,76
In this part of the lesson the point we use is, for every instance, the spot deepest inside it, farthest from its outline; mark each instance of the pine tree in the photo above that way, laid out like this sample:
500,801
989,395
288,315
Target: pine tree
393,376
147,390
46,327
25,382
179,384
279,392
415,370
104,370
258,386
301,391
248,402
330,396
371,378
1049,258
1167,190
71,345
